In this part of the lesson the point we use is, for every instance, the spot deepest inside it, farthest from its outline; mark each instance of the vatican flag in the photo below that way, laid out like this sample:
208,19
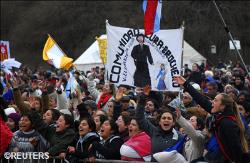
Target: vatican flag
54,55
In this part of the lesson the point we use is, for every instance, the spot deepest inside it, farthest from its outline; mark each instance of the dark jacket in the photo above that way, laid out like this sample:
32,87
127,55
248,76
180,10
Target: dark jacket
161,140
59,141
141,56
227,130
117,112
195,77
109,149
82,145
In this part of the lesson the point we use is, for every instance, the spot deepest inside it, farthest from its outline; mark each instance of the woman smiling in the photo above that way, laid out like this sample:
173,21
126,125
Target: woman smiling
81,146
164,135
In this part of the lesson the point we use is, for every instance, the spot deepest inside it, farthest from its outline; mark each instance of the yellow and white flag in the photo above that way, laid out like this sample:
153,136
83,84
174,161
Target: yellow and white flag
53,54
102,42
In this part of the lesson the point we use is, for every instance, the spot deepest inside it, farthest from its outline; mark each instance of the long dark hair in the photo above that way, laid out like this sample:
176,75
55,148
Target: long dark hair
229,103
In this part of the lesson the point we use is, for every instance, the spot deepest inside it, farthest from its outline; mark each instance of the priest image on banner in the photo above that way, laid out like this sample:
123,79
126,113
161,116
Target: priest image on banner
141,54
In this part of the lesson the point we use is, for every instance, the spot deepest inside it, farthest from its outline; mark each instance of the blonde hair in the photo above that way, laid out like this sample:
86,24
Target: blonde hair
230,104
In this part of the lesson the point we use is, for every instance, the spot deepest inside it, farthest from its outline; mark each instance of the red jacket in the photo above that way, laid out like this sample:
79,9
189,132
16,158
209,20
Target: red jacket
5,136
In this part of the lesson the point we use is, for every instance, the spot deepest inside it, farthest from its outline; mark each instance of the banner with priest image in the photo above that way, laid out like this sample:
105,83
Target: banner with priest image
138,60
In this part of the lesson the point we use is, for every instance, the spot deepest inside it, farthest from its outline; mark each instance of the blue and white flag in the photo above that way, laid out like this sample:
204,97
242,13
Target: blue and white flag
152,15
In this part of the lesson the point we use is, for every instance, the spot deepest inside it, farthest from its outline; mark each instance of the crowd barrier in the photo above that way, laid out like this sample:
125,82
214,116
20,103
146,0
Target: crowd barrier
56,160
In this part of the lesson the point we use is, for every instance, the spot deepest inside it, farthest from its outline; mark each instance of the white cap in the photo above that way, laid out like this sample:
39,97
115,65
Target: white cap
10,110
196,86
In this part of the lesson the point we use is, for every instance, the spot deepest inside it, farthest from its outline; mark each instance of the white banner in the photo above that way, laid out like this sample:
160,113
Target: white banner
153,62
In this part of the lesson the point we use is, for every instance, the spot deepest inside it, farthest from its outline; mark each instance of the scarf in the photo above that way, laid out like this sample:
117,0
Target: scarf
103,100
141,143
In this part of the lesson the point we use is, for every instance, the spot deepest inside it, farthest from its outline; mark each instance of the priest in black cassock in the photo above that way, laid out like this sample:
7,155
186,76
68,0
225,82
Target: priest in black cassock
141,54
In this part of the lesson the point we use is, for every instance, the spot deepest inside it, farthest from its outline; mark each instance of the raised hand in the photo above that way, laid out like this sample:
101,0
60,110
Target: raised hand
71,149
15,83
179,80
58,83
119,94
146,90
62,155
178,113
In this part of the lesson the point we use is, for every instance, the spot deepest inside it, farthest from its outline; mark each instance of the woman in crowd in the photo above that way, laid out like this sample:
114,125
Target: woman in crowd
110,106
164,135
27,139
194,144
150,107
138,147
80,147
99,120
227,125
123,123
109,147
60,136
13,120
51,116
196,75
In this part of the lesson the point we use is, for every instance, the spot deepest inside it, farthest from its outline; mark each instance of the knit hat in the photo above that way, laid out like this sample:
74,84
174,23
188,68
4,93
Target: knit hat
15,117
169,157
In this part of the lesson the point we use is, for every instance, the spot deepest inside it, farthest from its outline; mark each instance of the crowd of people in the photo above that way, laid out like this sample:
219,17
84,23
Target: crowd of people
93,119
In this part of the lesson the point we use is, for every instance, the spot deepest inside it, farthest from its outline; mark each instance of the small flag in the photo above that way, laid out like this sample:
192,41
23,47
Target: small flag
102,42
72,85
152,15
53,54
178,146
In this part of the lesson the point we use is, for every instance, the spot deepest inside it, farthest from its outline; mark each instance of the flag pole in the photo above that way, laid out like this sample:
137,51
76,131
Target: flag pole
230,35
182,69
182,27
